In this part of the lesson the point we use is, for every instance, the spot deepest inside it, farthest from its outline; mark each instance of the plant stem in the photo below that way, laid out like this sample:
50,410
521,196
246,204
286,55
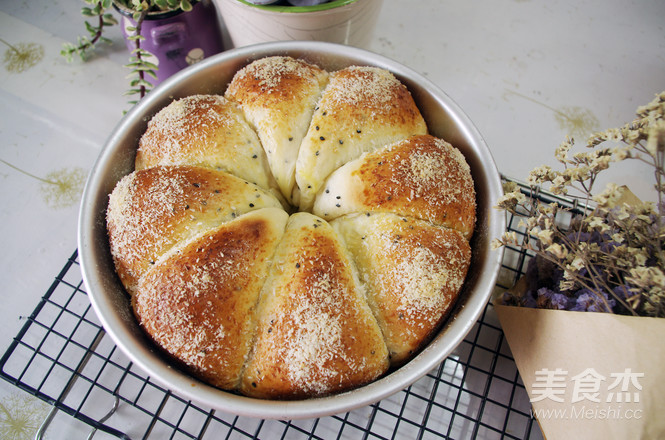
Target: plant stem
98,34
139,24
548,107
28,174
10,46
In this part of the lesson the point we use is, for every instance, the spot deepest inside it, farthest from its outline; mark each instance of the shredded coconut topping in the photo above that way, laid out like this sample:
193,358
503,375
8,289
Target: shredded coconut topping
272,71
358,85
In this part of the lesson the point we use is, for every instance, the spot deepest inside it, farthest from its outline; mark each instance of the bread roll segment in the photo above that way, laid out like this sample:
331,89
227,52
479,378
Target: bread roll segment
209,131
412,271
361,109
278,95
422,176
198,303
315,334
152,210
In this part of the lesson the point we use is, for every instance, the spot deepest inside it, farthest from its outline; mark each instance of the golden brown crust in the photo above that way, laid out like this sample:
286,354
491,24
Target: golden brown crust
275,81
152,210
198,304
204,130
361,109
412,270
316,334
278,95
423,176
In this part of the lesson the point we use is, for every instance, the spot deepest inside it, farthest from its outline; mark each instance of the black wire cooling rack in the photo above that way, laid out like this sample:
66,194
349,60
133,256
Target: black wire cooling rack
63,356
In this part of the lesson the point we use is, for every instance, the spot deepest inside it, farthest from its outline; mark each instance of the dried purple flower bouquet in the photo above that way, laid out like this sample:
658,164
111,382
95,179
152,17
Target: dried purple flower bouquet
610,256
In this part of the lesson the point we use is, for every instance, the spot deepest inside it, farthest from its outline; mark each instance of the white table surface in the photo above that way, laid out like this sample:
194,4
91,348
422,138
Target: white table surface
523,70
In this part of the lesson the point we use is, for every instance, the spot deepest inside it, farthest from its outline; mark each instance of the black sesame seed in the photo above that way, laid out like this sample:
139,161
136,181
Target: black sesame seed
217,191
290,138
317,153
327,191
270,330
358,131
309,186
186,206
255,156
325,113
338,197
322,138
251,205
338,205
341,142
197,185
297,265
254,384
317,128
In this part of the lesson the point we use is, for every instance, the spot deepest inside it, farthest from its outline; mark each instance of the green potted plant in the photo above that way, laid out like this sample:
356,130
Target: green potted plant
595,374
163,36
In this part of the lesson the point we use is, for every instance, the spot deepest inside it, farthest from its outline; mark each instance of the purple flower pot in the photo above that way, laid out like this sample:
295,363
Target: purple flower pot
176,39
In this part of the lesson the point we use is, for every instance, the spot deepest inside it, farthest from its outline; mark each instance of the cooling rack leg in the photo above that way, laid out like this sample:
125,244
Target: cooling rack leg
116,402
39,435
47,421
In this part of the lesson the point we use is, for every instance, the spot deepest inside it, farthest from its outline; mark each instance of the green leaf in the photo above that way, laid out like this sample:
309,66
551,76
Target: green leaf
185,5
90,28
146,67
109,19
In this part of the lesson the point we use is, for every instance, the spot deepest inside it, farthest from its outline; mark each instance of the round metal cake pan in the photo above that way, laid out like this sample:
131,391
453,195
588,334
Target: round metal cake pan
444,118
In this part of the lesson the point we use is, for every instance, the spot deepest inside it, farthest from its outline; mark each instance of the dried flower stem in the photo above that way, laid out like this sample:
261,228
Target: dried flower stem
611,256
